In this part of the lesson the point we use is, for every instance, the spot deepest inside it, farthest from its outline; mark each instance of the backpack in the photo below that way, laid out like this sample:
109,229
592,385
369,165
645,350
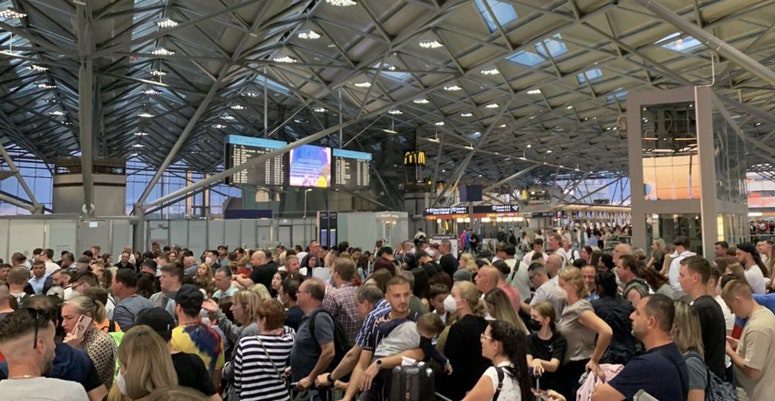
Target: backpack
341,344
716,389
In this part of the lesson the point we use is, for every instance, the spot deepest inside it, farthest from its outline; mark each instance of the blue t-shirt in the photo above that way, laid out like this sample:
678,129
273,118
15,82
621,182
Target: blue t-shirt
670,384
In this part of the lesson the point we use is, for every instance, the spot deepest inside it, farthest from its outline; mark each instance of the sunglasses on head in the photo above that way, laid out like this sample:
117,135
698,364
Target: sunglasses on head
40,316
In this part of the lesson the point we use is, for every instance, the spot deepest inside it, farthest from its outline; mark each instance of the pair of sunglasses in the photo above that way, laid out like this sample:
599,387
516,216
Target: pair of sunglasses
40,316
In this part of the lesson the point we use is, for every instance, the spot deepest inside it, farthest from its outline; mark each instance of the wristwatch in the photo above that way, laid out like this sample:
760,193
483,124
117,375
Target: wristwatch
379,363
329,379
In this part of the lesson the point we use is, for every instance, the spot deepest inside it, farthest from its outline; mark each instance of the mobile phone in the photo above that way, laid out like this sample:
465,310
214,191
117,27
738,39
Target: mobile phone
81,325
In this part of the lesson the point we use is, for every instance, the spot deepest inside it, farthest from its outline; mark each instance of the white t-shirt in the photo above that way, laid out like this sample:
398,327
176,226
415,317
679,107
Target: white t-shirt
672,274
755,279
510,389
42,389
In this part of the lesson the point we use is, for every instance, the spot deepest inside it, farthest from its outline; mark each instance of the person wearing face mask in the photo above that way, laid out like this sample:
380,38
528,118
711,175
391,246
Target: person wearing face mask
145,364
462,347
545,347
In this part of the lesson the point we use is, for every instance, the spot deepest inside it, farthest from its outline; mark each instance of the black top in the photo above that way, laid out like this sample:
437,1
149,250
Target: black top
615,311
464,351
263,274
671,382
714,332
294,317
192,373
426,344
448,264
554,347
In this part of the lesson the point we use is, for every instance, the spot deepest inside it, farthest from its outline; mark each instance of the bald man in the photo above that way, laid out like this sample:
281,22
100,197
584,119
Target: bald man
621,250
486,279
263,269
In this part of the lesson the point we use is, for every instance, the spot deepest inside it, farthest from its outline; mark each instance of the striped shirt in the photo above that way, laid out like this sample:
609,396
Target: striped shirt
368,323
256,376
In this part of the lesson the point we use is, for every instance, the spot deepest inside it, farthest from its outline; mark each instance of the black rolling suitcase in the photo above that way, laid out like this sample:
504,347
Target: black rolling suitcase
412,383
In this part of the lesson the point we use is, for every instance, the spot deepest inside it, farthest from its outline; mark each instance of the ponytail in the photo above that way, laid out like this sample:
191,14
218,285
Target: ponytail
513,343
89,306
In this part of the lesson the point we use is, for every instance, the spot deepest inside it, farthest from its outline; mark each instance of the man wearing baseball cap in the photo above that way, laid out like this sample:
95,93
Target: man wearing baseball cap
193,336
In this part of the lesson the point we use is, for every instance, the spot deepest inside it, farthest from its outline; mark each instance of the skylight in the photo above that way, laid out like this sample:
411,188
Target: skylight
389,71
504,13
675,42
555,45
619,95
592,75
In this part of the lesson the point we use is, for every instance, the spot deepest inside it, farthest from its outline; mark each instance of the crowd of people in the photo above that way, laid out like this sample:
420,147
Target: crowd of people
554,322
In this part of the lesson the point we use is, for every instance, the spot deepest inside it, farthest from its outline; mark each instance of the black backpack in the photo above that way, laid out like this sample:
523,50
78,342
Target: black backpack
341,344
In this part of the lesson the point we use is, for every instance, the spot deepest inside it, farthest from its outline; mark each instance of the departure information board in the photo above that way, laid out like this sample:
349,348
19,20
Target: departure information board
240,149
351,169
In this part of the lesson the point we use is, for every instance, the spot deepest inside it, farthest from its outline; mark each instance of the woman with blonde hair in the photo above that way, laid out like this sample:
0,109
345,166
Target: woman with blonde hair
587,334
462,347
687,336
204,279
80,316
145,364
499,308
261,291
243,307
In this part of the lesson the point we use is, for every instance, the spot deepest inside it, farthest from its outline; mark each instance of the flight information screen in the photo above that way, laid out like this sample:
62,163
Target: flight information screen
240,149
351,169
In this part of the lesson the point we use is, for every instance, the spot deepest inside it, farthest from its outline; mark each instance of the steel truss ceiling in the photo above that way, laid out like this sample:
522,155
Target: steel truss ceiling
561,69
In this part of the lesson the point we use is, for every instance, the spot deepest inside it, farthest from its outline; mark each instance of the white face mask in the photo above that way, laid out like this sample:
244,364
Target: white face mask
121,383
450,304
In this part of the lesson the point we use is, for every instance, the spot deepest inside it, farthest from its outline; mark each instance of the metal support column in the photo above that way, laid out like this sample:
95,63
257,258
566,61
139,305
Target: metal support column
86,101
138,228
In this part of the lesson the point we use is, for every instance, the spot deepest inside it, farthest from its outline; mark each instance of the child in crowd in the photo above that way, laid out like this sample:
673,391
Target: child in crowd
400,335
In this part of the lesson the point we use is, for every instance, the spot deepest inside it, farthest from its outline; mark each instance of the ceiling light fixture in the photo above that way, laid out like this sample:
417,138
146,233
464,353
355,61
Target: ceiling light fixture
227,117
145,114
219,126
569,107
534,91
162,52
395,112
141,133
439,124
167,23
341,3
389,131
238,107
492,106
284,59
466,114
502,126
251,94
492,71
363,84
151,91
469,147
46,86
421,101
452,88
311,35
10,13
57,113
433,44
158,73
548,151
37,68
138,145
319,110
529,146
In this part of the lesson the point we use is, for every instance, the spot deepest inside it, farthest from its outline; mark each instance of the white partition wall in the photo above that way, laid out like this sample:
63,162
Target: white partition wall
362,229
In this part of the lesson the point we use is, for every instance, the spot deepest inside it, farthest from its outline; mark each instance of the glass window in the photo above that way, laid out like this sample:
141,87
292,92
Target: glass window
677,43
503,11
592,75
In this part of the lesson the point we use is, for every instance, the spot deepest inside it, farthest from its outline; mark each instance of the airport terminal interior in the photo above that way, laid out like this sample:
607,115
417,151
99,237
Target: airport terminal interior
384,200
